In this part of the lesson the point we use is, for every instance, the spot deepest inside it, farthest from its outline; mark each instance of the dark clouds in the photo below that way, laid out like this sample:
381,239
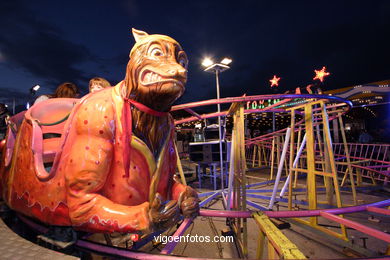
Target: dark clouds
30,44
45,55
76,40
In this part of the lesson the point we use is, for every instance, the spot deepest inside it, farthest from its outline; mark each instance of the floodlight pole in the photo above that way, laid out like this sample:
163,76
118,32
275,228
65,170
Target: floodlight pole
219,129
217,68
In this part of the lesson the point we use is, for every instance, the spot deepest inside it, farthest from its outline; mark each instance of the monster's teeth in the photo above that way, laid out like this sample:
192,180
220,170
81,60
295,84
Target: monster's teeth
148,77
151,77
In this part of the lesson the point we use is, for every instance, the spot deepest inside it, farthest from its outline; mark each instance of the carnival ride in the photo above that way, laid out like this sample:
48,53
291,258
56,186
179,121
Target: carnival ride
312,155
303,152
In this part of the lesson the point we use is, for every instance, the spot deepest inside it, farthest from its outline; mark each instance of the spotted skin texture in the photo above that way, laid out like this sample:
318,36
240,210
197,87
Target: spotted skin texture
91,188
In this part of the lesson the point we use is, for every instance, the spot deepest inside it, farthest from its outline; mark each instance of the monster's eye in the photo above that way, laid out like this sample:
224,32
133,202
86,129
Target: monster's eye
182,59
156,52
183,62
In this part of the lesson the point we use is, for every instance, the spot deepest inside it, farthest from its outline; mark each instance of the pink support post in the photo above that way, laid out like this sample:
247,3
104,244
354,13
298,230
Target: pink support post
385,153
225,213
372,151
361,149
176,237
379,152
379,210
367,150
362,228
355,150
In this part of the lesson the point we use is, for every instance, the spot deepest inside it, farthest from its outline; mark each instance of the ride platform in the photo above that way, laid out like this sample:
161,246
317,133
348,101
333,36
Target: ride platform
14,246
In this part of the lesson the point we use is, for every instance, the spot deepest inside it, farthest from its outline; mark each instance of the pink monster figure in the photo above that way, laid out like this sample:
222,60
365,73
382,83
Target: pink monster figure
112,157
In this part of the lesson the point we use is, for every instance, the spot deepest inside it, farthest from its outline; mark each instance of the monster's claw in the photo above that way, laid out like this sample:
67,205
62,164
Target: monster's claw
189,203
163,215
157,201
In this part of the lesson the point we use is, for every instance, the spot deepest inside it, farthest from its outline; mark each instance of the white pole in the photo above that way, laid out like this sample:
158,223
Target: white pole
219,130
294,165
280,168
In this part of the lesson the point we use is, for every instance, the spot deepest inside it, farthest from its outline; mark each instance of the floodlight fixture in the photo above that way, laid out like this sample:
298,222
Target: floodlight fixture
36,87
207,62
226,61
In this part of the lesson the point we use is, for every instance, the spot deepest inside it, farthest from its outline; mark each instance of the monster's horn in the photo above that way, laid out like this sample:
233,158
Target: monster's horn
138,35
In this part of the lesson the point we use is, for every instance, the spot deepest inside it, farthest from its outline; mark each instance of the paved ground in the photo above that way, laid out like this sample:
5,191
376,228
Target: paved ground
312,245
15,247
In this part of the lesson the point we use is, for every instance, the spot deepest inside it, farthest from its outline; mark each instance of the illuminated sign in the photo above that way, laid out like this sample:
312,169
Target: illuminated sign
260,104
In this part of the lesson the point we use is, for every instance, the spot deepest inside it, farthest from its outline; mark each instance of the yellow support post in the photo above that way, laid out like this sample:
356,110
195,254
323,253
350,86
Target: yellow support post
327,179
372,179
292,143
277,241
308,165
320,143
329,149
264,155
254,155
325,166
260,245
344,178
272,157
271,251
180,168
239,225
311,177
259,154
300,161
243,176
278,152
359,178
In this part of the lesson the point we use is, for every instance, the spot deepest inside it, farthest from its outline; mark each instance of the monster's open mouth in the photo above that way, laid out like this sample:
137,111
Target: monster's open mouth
148,77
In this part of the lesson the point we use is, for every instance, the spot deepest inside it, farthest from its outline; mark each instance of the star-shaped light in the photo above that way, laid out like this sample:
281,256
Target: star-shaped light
321,74
274,81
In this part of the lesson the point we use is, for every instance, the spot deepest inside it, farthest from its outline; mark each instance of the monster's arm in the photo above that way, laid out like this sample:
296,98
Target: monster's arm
86,176
188,198
177,189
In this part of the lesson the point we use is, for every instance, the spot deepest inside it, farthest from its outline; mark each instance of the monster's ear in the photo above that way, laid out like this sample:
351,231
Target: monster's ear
138,35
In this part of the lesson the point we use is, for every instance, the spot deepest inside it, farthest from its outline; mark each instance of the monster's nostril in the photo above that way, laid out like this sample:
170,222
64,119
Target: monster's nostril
173,72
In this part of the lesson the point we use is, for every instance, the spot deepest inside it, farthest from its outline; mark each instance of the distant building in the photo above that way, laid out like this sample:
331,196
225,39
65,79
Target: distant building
371,110
375,93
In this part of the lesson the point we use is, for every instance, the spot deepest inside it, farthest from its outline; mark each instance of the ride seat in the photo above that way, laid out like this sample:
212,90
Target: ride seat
50,117
50,147
13,126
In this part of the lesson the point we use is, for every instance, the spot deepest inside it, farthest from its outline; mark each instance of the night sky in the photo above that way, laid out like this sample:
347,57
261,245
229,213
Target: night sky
50,42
